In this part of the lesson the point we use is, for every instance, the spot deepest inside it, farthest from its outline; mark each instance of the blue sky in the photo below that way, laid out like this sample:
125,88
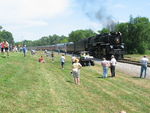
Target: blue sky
32,19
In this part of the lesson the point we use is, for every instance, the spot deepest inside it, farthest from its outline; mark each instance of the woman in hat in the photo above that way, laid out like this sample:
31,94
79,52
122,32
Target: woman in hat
76,71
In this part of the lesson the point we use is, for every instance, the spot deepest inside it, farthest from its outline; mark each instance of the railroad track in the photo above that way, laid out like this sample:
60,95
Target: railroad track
131,62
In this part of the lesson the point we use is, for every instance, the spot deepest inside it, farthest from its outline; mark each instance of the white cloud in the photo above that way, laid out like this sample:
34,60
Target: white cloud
24,18
13,11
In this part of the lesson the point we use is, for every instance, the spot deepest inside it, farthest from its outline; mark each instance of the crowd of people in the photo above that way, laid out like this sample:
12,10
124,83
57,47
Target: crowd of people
76,66
5,48
112,64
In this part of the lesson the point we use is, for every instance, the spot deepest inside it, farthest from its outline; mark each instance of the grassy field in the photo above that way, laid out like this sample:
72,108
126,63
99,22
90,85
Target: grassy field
26,86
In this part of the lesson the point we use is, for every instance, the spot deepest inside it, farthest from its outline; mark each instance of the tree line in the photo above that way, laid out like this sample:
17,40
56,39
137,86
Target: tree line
135,33
55,39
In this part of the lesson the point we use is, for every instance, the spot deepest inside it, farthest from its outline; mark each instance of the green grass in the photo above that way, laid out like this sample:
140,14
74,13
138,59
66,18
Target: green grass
26,86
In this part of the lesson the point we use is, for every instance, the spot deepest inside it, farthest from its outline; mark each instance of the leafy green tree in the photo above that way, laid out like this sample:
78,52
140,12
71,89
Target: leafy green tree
63,39
5,35
136,34
104,30
80,34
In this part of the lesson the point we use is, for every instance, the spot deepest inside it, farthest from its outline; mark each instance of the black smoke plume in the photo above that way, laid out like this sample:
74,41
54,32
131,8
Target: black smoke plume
96,10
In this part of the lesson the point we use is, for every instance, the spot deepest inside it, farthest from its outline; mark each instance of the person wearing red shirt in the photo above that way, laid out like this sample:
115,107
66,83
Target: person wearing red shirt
6,47
2,47
41,59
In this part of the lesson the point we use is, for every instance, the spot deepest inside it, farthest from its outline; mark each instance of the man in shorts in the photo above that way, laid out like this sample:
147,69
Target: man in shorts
76,71
62,59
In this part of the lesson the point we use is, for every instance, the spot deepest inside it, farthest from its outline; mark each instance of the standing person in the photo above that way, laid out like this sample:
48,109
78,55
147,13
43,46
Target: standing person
144,62
105,64
46,52
33,52
113,63
2,47
76,71
52,55
62,59
24,49
15,49
6,47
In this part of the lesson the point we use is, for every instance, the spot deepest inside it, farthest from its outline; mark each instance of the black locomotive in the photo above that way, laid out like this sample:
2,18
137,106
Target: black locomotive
101,45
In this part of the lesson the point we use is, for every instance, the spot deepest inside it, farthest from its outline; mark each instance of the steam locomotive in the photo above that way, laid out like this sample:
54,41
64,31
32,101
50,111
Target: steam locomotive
101,45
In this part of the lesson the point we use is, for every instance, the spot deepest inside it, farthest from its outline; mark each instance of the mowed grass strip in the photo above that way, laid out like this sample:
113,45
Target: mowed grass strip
27,86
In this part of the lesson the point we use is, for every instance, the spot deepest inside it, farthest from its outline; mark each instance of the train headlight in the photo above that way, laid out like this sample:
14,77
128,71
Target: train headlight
111,46
117,41
122,46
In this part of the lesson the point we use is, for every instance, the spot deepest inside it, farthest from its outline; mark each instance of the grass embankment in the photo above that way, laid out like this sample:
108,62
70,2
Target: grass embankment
135,57
27,86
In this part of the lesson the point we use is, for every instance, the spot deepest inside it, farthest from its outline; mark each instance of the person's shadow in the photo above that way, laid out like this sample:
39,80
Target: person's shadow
103,77
3,56
69,81
136,77
100,77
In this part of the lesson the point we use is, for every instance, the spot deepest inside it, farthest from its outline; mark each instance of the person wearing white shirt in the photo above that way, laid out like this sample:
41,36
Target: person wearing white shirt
76,71
62,59
113,63
144,62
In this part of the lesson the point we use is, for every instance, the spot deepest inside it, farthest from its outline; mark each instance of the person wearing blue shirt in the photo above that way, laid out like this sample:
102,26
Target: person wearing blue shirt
24,49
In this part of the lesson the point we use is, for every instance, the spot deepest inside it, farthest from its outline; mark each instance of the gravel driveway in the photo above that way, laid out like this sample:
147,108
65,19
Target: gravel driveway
131,69
128,69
